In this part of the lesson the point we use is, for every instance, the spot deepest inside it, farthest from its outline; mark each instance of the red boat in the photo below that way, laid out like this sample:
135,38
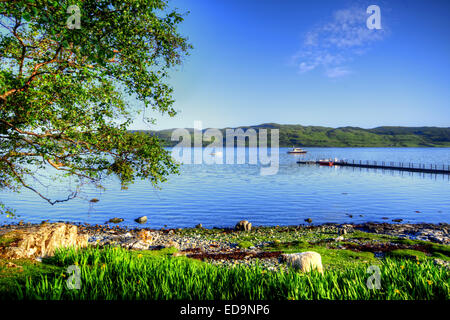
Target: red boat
326,163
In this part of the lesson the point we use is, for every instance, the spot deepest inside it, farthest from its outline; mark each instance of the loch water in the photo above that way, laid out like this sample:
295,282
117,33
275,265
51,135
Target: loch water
219,195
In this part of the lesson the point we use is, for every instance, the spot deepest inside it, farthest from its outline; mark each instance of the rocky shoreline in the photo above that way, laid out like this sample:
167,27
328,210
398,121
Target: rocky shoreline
231,246
105,233
438,233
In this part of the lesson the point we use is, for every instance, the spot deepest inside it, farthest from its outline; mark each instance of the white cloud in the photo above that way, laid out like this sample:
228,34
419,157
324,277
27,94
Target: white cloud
335,43
337,72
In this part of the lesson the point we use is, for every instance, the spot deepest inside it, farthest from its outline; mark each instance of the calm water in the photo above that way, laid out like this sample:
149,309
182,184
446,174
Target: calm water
220,195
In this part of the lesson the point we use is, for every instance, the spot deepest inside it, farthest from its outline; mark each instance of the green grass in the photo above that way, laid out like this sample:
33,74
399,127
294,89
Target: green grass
361,235
6,240
114,273
407,254
336,259
9,277
245,244
436,250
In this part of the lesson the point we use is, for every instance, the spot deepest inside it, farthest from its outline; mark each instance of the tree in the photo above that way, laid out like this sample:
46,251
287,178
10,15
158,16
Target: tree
64,91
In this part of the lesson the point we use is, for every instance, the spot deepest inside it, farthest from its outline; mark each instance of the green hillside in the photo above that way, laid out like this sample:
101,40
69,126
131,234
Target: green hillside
316,136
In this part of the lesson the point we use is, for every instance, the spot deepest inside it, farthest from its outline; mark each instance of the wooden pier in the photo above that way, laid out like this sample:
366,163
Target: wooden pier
384,165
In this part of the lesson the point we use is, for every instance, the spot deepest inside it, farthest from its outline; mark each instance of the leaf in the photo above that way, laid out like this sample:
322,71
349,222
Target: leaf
26,16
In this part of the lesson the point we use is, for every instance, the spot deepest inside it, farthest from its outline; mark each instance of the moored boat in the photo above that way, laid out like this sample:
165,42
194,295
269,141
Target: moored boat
297,151
326,162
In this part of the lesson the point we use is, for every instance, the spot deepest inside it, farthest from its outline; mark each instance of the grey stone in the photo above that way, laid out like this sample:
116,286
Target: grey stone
141,220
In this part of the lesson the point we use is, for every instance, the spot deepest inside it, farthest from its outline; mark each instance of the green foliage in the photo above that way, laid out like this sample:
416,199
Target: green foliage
115,274
245,244
439,250
407,253
11,277
6,210
65,93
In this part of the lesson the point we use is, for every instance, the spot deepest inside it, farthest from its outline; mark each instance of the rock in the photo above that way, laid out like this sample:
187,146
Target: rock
141,220
305,261
199,226
135,244
243,225
309,220
145,235
397,220
443,263
13,265
94,200
143,240
42,240
171,243
115,220
179,254
140,245
340,238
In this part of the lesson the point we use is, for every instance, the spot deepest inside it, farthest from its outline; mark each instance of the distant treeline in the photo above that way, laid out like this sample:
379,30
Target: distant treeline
315,136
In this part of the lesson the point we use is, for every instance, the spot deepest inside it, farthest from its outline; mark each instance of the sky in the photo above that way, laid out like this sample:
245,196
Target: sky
312,63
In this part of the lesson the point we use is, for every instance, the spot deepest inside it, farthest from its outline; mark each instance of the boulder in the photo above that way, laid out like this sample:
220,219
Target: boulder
115,220
147,236
143,240
42,240
243,225
305,261
141,220
135,244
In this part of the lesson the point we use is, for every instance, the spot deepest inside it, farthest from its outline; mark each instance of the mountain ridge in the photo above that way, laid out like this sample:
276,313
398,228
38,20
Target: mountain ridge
348,136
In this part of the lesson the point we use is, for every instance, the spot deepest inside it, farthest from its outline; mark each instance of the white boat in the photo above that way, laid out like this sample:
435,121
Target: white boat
297,150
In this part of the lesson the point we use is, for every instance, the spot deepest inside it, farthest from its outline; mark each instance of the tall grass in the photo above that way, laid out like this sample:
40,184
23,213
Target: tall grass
114,273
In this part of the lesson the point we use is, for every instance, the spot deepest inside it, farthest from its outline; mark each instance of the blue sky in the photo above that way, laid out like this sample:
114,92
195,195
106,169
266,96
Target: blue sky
312,63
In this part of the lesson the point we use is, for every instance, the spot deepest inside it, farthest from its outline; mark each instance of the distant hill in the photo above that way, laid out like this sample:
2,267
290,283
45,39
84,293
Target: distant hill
316,136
